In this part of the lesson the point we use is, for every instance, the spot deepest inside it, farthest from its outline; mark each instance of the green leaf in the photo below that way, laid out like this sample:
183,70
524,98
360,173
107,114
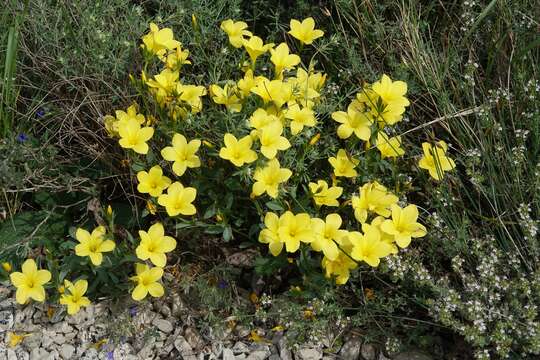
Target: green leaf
274,205
227,234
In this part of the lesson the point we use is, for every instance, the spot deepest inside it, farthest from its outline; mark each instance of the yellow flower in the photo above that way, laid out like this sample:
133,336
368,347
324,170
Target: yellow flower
327,234
255,47
164,84
159,40
387,238
178,200
435,159
175,59
154,245
342,265
294,229
300,117
272,141
389,147
15,339
403,225
76,299
152,182
93,245
270,234
248,82
132,136
282,60
369,247
238,151
111,123
226,96
324,195
236,31
275,91
147,282
191,94
29,282
267,179
6,266
343,164
392,94
305,31
374,197
261,118
182,153
353,121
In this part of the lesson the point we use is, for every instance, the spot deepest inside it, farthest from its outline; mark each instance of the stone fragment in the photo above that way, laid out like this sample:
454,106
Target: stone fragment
240,348
32,341
164,325
283,349
227,354
259,354
67,351
193,338
309,353
351,349
40,354
369,352
184,348
6,320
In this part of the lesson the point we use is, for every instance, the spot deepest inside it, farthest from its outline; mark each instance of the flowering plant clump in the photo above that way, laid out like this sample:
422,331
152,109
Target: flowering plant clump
258,156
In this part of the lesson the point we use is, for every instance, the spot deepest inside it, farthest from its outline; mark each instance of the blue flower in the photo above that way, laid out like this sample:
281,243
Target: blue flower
22,137
110,355
40,113
133,311
222,284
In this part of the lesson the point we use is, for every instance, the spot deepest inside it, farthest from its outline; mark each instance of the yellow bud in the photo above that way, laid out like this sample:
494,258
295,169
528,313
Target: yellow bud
6,266
109,210
290,260
61,289
194,21
152,209
50,312
208,144
252,196
219,218
314,139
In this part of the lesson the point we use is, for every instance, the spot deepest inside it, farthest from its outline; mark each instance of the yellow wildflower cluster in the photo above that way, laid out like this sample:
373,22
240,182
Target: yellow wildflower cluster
279,110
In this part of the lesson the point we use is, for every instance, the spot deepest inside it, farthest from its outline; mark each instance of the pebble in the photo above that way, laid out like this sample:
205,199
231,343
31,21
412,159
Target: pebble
228,354
193,338
33,341
259,354
40,354
351,349
309,354
240,348
6,320
67,351
164,325
369,352
184,348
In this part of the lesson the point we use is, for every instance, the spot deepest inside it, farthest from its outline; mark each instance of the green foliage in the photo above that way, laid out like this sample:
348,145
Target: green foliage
472,70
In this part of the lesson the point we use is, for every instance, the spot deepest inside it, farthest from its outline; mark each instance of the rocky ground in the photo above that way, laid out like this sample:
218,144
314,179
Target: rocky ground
158,330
